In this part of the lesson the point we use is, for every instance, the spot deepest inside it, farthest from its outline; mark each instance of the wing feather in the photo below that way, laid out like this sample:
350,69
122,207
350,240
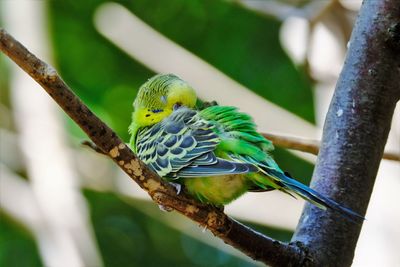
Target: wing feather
183,145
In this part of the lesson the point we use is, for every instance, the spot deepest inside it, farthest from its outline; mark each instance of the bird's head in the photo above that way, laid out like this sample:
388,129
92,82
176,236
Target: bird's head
157,98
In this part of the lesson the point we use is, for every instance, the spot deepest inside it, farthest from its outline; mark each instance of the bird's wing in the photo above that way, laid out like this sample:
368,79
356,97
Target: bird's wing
182,146
240,142
239,137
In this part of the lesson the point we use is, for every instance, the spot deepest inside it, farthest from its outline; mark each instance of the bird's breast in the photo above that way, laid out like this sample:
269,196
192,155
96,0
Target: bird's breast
217,190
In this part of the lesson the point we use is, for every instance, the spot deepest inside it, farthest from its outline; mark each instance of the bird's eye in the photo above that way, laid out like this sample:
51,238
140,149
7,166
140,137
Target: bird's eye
177,105
157,110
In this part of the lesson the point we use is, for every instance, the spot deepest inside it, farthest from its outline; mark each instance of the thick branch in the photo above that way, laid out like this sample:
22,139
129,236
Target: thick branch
253,244
355,132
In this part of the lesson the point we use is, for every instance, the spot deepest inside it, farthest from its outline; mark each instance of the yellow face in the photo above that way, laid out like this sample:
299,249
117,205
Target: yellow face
157,99
178,93
146,117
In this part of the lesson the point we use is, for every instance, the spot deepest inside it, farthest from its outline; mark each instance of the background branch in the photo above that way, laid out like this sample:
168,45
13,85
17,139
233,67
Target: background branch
255,245
295,143
310,146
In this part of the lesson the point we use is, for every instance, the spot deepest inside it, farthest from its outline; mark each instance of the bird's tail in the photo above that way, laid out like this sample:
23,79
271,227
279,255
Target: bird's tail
290,185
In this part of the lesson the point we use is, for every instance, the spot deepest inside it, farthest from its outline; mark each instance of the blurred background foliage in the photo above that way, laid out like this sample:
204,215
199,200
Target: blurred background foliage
17,245
241,43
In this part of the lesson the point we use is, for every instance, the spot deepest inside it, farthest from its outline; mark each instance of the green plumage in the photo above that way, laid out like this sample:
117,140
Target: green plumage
216,153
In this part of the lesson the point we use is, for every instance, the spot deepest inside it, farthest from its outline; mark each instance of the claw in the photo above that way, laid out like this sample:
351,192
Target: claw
165,208
220,208
178,187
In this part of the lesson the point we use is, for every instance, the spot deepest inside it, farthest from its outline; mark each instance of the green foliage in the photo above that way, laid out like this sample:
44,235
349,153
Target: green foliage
103,76
242,44
17,247
128,237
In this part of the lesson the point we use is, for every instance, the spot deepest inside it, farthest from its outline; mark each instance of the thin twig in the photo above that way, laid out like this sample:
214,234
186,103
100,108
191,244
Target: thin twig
255,245
310,146
288,142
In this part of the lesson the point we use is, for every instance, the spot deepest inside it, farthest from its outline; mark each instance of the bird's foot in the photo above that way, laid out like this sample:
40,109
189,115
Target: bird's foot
178,187
165,208
219,207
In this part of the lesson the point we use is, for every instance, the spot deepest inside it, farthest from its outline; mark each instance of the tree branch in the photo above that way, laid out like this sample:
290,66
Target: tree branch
355,133
255,245
303,145
310,146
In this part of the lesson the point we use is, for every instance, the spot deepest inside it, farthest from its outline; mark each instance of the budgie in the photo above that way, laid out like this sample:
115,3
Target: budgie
215,153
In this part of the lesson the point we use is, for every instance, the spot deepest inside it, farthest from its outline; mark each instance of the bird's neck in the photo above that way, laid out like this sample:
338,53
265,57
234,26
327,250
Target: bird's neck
133,130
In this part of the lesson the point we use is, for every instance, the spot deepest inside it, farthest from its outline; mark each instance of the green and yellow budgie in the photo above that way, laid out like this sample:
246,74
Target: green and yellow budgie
215,153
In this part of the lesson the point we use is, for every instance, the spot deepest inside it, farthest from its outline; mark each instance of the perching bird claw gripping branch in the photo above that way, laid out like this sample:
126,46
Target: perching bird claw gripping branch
253,244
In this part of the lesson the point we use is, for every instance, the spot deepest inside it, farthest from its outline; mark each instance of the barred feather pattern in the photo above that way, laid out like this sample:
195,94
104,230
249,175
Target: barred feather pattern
213,143
182,146
153,92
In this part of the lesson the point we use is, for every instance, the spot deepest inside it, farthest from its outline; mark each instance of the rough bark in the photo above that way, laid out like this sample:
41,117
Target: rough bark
355,133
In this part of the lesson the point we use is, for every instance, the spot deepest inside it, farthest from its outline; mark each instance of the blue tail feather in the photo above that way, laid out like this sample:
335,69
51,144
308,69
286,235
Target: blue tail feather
314,197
